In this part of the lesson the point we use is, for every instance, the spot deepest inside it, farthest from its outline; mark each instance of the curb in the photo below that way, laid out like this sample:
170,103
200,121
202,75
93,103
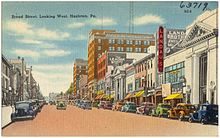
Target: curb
7,125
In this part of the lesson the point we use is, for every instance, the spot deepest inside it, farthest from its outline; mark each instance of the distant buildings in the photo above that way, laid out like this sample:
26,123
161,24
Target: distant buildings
80,68
18,82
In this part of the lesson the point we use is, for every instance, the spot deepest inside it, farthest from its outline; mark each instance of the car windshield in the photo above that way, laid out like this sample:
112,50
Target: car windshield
22,105
166,106
131,103
191,107
215,108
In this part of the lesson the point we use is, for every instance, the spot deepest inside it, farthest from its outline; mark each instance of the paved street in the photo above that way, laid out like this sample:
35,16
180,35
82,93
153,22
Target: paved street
99,122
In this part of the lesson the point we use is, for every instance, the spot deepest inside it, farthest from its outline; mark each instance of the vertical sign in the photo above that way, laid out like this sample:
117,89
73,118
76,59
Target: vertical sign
160,49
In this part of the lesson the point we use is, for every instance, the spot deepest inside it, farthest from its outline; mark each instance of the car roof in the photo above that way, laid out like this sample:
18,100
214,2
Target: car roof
23,102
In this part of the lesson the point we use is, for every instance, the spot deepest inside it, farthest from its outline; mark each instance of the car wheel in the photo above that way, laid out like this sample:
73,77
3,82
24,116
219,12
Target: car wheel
181,117
190,120
203,121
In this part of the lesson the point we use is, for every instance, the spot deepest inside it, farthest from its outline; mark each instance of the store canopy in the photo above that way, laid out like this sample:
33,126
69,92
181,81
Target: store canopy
139,94
100,92
101,96
97,97
128,96
174,96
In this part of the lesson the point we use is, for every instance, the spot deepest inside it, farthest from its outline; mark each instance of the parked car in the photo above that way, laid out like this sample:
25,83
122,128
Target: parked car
117,106
86,104
35,104
77,102
95,103
145,108
61,105
129,107
23,110
207,113
101,104
108,105
161,110
181,111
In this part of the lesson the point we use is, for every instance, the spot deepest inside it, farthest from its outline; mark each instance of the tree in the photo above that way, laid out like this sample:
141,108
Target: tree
70,90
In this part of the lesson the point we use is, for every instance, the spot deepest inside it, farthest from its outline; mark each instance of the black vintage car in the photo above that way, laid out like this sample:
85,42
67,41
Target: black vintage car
206,113
23,110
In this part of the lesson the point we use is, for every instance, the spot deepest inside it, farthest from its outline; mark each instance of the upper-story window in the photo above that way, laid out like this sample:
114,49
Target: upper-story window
139,42
99,47
145,50
131,42
136,42
109,41
128,42
99,41
113,41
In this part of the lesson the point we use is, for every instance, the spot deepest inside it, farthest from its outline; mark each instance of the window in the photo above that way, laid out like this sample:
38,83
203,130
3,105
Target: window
113,41
131,42
119,49
99,47
136,42
145,43
127,42
139,42
122,41
145,50
128,49
122,49
109,41
99,41
119,41
111,48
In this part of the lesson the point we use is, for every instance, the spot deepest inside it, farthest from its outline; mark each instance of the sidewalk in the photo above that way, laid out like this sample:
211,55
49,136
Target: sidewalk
6,115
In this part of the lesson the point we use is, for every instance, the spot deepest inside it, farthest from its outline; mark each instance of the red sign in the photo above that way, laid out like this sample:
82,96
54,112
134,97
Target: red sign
160,49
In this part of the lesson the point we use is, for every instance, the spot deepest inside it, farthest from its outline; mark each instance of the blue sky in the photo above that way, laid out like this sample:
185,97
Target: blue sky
52,45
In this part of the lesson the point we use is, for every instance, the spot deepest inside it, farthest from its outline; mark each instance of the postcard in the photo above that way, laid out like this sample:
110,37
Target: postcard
109,68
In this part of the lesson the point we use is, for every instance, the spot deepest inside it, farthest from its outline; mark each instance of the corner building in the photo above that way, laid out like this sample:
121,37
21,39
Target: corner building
109,40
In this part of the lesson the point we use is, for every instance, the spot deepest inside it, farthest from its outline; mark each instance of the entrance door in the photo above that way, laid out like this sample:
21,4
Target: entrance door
202,78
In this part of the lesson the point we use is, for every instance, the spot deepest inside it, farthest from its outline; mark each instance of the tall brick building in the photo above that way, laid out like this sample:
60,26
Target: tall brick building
80,68
109,40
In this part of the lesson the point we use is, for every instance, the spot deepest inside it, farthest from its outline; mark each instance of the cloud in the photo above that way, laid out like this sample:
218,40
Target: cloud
148,19
57,53
80,37
54,77
76,25
20,28
28,31
93,22
29,41
37,43
26,53
104,22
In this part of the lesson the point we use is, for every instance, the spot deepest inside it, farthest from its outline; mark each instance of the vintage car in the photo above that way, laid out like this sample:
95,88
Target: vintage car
77,102
145,108
35,104
61,105
23,110
101,104
117,106
161,110
129,107
181,111
108,105
207,113
86,104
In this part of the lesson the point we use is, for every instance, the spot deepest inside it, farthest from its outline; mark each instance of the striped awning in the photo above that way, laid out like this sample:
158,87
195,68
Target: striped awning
174,96
128,96
139,94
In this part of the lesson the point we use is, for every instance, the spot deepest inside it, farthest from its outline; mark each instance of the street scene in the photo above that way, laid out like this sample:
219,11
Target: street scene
119,69
99,122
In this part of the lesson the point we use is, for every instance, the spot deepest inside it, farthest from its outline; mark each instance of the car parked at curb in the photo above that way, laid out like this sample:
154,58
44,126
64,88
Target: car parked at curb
207,113
145,108
129,107
117,106
23,110
86,104
101,104
181,111
107,105
161,110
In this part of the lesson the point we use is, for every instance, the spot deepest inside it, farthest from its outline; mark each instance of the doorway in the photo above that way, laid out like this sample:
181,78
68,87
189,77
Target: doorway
202,78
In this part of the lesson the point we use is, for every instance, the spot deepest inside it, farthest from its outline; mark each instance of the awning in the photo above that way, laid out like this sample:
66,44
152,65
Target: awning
128,96
105,96
101,96
97,97
174,96
139,94
99,92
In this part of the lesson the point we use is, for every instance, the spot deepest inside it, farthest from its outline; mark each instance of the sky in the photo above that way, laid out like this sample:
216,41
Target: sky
50,45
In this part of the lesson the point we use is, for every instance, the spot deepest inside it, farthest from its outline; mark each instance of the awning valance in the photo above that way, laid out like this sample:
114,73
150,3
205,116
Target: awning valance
128,96
139,94
174,96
